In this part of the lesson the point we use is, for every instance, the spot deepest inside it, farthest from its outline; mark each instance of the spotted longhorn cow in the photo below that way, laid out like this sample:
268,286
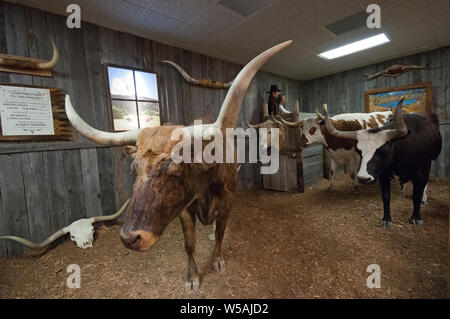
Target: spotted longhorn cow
342,151
165,189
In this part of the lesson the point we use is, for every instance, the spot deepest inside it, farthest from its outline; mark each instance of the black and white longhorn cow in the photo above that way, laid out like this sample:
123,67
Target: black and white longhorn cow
405,146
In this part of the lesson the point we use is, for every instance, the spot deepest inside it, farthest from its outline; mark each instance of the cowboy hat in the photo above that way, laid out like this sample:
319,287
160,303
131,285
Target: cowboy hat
274,88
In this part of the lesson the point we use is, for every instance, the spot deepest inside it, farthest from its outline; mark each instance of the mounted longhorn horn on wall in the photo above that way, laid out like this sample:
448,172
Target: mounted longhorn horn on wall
396,70
81,231
24,65
206,83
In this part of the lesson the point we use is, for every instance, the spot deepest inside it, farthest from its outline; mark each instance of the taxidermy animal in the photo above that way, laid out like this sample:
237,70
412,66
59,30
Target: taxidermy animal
206,83
81,231
396,70
10,61
405,146
165,189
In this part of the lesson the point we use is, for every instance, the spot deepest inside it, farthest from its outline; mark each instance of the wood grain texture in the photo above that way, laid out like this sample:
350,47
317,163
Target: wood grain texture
14,218
35,188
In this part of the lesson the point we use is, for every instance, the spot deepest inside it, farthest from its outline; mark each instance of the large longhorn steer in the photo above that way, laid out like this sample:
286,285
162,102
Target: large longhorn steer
405,146
165,189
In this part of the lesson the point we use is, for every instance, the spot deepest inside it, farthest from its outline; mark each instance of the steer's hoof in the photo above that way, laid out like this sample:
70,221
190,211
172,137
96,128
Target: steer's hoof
424,203
192,285
418,222
219,265
386,223
330,189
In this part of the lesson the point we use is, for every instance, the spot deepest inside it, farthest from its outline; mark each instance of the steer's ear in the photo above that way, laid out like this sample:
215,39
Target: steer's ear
129,151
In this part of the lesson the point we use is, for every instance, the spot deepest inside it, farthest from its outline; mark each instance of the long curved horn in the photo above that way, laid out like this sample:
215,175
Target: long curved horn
342,134
319,115
253,126
274,119
50,64
232,104
106,138
201,82
293,124
111,217
400,126
42,245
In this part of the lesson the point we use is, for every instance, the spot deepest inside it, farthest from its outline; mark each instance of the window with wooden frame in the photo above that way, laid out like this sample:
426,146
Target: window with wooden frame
133,97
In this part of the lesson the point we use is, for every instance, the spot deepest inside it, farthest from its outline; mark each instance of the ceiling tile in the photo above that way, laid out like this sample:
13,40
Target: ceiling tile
181,10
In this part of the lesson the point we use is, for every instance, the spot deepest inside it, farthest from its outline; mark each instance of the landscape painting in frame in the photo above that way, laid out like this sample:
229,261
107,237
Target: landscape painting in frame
417,98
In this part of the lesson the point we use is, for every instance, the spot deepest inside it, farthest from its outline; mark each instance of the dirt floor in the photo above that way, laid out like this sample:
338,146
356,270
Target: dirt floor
277,245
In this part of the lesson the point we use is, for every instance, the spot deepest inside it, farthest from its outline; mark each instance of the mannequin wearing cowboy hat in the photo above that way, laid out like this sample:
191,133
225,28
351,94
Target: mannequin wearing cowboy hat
273,100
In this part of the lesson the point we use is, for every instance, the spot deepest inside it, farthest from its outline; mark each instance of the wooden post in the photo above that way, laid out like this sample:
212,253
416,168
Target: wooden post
296,109
266,110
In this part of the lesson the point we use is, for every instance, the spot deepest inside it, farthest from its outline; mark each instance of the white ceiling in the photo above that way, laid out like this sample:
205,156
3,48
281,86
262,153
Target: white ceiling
207,27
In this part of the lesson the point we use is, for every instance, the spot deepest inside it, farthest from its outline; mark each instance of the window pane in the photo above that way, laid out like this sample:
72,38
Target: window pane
147,88
149,114
124,115
121,83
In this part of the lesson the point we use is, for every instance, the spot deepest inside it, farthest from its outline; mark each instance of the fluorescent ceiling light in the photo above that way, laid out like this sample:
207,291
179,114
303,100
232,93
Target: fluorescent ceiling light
357,46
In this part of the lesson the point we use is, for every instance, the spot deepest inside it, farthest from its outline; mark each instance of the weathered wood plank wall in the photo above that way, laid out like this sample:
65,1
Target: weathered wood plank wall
45,186
344,92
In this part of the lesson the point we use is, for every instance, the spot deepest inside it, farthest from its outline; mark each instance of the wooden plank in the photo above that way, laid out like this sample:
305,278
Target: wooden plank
291,174
91,182
3,230
4,77
14,211
313,170
96,78
56,191
444,156
106,180
74,185
35,187
300,174
16,27
123,180
24,146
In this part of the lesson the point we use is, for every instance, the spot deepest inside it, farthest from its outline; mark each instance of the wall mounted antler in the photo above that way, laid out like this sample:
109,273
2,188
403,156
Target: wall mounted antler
206,83
81,232
396,70
24,65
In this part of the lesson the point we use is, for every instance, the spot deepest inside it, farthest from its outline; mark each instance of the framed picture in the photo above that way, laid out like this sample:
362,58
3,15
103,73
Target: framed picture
417,98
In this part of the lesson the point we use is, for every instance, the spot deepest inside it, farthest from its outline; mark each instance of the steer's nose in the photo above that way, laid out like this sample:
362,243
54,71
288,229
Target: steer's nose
130,240
138,240
366,180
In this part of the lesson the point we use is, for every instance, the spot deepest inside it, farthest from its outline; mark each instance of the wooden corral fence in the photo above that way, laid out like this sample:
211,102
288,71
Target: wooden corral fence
298,167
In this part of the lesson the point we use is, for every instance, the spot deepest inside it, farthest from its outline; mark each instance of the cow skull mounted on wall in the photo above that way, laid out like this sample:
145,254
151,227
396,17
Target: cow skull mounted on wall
81,231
